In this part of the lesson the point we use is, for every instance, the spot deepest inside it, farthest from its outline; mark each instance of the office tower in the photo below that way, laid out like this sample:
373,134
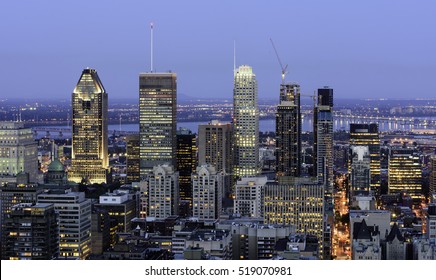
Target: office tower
367,135
323,138
157,120
360,174
163,192
433,176
31,233
215,148
288,131
74,212
248,200
100,230
89,154
18,152
186,162
132,158
431,222
207,193
245,123
298,202
404,172
120,207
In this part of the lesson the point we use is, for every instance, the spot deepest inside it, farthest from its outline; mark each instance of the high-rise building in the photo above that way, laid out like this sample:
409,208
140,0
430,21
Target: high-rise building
249,193
245,123
186,162
18,152
405,172
207,193
215,148
323,138
367,135
132,158
120,207
433,176
163,192
89,154
288,131
360,174
74,212
298,202
31,233
157,120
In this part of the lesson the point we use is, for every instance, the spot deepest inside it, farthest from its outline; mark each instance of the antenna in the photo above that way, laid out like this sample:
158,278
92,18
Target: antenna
151,46
234,57
280,62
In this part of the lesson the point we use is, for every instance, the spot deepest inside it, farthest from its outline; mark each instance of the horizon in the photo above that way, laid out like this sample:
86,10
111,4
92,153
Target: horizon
363,50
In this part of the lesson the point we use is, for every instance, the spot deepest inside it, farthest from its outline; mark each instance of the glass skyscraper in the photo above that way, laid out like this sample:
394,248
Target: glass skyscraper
89,159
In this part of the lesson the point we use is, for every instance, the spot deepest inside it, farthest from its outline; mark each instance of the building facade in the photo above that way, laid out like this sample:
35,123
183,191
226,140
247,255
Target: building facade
360,175
157,120
207,193
186,162
89,154
249,200
163,192
18,152
288,132
132,158
245,123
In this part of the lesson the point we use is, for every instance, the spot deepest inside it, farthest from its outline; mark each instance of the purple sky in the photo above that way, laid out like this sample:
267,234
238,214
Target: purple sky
363,49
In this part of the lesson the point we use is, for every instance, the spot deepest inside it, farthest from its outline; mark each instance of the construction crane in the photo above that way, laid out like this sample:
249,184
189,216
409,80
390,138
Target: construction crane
280,62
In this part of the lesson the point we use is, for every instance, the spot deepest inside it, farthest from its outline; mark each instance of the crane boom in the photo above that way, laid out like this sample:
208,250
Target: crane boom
280,62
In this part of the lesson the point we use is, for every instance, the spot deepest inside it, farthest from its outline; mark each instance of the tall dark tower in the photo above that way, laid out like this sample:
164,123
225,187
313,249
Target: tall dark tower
323,138
89,156
288,131
157,120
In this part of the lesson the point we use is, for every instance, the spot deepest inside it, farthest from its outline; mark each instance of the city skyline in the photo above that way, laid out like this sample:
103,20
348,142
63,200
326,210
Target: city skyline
335,44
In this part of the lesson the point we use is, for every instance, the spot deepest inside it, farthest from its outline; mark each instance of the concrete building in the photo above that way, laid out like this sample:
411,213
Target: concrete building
249,201
433,176
207,193
245,123
157,120
18,152
366,242
379,218
396,244
360,174
74,212
163,192
215,148
31,233
89,154
120,207
298,202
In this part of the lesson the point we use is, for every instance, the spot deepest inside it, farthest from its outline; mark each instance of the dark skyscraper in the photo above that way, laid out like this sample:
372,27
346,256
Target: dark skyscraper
157,120
186,162
132,158
323,138
288,131
89,159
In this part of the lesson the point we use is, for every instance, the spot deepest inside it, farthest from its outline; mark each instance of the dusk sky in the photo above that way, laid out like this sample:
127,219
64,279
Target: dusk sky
362,49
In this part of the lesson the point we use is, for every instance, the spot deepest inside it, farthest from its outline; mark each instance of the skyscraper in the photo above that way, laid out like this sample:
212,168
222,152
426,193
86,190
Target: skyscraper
433,175
367,135
360,176
207,193
132,158
18,152
404,172
186,162
157,120
246,123
288,131
215,148
31,233
163,192
89,155
323,138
